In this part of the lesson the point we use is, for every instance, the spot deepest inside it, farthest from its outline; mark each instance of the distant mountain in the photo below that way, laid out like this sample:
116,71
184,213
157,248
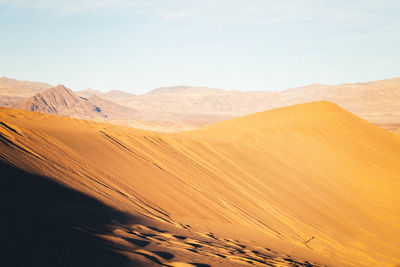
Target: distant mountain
9,101
377,101
87,92
14,88
193,107
111,109
61,101
113,94
198,101
110,95
170,89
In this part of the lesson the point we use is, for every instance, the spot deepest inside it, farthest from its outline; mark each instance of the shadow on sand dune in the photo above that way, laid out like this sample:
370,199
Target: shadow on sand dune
46,224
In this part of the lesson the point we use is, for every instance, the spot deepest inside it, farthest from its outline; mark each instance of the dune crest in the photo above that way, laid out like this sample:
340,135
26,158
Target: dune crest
311,181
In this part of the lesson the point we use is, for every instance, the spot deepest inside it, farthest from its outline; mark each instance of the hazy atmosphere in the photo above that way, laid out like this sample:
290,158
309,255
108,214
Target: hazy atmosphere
237,45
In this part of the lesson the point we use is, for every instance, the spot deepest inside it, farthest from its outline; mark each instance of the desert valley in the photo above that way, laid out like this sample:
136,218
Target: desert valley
195,176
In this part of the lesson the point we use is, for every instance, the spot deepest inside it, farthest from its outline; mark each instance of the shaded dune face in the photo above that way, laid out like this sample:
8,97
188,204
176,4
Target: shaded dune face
47,224
311,181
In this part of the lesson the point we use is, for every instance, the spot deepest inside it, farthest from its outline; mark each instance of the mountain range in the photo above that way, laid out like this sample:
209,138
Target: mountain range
13,91
180,108
60,101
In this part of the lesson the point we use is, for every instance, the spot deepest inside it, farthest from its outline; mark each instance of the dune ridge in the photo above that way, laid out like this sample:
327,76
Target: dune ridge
312,180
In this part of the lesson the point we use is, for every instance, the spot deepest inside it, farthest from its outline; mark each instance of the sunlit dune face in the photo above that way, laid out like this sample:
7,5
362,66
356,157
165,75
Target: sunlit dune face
309,182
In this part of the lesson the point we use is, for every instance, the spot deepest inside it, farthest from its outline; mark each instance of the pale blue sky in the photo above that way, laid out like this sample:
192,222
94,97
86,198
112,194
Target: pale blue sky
228,44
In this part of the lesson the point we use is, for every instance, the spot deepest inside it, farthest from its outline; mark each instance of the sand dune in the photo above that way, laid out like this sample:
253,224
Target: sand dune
309,184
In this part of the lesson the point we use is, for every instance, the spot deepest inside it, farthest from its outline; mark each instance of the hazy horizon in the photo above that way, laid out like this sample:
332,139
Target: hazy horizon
191,86
137,46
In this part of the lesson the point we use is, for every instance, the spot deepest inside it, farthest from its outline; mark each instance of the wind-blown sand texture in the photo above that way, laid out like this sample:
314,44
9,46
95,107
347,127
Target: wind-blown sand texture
305,185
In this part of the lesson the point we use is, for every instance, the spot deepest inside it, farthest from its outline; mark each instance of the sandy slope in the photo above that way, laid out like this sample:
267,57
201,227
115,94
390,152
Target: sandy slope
311,181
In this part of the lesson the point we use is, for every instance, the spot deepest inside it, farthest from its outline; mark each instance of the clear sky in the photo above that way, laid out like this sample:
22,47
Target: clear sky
229,44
